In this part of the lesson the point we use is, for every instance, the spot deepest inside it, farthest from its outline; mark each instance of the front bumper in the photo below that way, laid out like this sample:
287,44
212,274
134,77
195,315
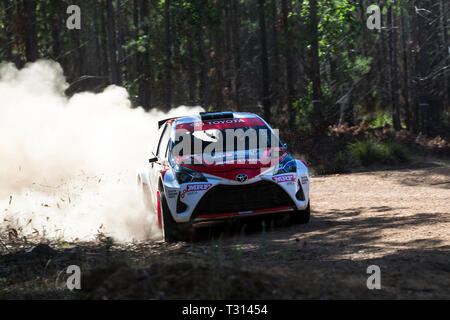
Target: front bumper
221,199
223,216
243,199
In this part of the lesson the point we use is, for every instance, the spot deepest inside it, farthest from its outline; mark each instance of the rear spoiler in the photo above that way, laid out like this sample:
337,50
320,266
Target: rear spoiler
216,115
161,122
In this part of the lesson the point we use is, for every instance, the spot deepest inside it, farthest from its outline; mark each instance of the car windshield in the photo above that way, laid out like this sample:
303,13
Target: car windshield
216,144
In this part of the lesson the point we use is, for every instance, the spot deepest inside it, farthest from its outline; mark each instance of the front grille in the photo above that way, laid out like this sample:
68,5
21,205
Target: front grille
256,196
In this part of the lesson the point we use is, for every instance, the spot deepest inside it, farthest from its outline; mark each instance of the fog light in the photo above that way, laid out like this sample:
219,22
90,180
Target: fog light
181,207
300,195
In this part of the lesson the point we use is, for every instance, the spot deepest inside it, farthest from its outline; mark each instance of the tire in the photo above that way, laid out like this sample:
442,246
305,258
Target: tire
170,229
301,216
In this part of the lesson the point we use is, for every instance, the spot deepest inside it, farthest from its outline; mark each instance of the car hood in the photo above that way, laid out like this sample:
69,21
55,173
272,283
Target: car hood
229,165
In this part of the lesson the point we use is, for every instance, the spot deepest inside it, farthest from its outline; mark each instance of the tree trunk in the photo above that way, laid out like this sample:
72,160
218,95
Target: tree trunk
289,63
120,40
405,47
31,42
55,7
144,68
168,58
178,92
89,41
218,58
236,43
422,60
79,63
98,32
393,69
135,63
104,43
115,79
315,70
264,62
275,88
383,56
445,51
192,75
204,85
7,41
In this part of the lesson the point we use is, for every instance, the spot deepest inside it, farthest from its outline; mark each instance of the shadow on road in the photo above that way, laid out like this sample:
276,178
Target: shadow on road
325,259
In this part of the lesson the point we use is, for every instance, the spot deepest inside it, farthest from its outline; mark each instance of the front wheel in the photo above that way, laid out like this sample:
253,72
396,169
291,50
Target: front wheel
301,216
170,229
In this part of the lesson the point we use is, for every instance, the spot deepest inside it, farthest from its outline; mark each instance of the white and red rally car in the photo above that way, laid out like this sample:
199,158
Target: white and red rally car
215,166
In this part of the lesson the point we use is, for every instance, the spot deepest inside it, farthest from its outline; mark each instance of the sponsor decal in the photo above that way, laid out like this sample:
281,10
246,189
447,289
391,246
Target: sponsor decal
221,124
195,188
172,193
304,179
287,178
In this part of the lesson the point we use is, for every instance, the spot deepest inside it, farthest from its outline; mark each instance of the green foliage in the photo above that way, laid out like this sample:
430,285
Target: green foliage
304,108
379,119
372,151
445,118
339,163
395,153
107,243
207,67
361,67
141,44
304,111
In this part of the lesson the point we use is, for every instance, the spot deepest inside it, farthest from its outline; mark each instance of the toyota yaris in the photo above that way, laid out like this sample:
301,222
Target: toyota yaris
216,166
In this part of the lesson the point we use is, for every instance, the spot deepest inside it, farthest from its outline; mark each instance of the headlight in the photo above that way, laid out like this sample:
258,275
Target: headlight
286,165
186,175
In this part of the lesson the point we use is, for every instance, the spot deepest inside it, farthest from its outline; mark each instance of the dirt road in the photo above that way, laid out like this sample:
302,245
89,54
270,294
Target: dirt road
398,220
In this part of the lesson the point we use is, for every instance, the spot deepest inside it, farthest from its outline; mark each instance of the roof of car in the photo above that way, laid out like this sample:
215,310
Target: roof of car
209,116
215,116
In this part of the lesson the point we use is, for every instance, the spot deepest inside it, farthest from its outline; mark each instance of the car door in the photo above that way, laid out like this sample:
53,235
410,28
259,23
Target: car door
159,152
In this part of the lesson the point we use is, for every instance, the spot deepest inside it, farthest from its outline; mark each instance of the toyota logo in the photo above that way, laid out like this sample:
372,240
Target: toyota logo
241,177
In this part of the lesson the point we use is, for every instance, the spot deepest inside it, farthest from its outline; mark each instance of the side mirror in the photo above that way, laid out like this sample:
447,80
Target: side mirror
153,160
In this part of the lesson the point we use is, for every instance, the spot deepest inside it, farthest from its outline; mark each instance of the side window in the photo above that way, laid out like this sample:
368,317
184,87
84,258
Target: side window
159,136
167,150
164,142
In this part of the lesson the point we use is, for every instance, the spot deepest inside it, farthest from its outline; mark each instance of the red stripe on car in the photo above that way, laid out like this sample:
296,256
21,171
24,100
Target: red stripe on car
229,214
158,201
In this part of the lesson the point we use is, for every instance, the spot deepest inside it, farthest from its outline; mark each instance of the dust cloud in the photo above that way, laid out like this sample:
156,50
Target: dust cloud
68,165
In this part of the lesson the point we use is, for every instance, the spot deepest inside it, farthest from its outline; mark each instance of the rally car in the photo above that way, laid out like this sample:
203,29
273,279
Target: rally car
216,166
